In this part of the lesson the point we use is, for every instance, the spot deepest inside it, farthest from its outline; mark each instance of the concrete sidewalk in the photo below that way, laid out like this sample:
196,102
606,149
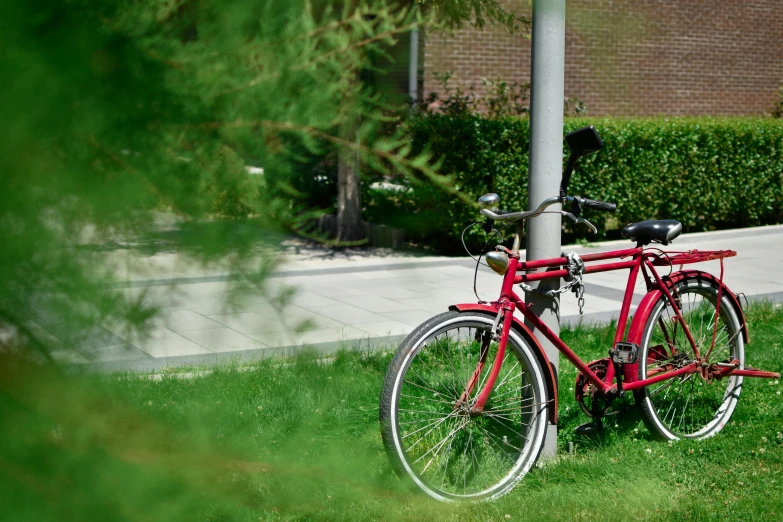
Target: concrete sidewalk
368,300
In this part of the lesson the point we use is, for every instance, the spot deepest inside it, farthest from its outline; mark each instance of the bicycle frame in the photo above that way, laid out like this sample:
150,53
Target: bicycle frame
480,433
636,260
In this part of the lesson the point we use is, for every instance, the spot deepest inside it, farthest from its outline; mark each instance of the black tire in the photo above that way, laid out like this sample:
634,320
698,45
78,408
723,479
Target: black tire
450,454
689,407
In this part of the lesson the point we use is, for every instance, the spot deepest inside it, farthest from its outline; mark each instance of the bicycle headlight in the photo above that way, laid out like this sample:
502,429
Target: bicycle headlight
498,261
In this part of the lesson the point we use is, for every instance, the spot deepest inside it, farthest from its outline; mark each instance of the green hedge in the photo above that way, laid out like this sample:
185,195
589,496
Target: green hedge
706,173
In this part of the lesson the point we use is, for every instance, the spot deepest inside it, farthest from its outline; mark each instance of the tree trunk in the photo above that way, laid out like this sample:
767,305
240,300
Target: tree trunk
349,197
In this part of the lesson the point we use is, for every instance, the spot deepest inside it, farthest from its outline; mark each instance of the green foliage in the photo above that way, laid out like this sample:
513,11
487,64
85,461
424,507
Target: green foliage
501,99
698,171
454,14
480,155
117,112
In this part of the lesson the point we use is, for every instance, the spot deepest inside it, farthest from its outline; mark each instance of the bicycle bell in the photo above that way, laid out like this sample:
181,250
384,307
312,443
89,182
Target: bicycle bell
489,201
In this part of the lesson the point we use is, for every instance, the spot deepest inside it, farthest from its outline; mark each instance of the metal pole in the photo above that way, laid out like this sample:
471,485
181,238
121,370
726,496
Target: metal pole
413,66
546,160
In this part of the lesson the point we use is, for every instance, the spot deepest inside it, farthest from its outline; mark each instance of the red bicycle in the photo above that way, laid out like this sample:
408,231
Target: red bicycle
469,393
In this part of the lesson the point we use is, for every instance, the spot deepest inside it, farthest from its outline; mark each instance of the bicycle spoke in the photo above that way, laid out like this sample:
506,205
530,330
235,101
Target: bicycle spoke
472,461
446,462
491,445
501,415
507,398
465,371
426,388
514,409
427,399
442,382
668,383
499,440
503,381
513,390
502,421
444,419
425,412
476,336
432,423
438,446
685,407
448,350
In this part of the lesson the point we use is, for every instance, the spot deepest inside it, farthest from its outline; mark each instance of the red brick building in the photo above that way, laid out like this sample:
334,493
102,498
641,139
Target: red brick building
637,57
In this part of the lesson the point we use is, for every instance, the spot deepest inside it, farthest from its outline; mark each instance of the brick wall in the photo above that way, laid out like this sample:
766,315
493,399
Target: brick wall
472,54
640,57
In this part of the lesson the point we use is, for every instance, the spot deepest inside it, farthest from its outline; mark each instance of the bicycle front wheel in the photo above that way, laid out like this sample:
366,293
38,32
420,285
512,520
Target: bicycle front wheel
428,428
690,406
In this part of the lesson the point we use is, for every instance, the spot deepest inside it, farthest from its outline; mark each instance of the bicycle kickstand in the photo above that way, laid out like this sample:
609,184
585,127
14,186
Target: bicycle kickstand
590,428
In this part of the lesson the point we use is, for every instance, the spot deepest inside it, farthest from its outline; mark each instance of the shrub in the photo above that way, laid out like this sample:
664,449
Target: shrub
707,173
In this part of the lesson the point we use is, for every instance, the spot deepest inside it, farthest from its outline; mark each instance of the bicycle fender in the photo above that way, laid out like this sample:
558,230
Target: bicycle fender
524,331
646,306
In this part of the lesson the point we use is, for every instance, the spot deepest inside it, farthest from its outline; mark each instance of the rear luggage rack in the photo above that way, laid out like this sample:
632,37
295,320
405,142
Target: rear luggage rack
690,256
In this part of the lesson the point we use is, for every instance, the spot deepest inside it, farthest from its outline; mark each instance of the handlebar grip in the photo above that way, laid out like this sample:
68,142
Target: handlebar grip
599,205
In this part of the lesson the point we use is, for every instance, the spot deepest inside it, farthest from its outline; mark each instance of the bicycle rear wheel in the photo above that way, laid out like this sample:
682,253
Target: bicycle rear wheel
428,429
690,406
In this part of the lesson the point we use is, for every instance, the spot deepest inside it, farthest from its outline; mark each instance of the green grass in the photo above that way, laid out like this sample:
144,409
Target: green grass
300,441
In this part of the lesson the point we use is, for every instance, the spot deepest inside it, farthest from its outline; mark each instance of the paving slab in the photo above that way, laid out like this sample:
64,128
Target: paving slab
219,340
185,320
387,328
160,342
373,303
366,297
341,335
412,318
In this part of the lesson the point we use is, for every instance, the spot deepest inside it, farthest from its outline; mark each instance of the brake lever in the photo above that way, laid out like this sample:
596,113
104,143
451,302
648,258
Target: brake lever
578,220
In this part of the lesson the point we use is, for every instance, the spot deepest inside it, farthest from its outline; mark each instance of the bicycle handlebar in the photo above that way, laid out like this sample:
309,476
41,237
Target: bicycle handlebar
500,215
597,205
503,215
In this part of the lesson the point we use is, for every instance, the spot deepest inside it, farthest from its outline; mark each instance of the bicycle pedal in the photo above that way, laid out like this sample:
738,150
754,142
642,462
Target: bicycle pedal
625,353
589,428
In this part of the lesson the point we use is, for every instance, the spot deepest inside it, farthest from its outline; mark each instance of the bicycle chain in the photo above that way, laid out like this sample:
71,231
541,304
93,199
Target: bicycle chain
576,268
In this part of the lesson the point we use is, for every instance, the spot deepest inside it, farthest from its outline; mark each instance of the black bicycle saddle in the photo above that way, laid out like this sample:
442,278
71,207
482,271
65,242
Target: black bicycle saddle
653,230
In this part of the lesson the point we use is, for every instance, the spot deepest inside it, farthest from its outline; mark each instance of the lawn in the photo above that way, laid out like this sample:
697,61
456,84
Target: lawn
299,440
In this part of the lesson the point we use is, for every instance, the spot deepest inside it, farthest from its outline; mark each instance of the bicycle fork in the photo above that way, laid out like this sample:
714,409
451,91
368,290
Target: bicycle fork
505,317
